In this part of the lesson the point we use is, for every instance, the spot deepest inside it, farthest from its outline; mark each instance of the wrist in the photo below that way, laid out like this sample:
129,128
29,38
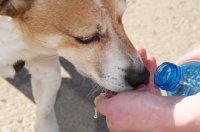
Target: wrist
187,115
169,119
180,114
162,109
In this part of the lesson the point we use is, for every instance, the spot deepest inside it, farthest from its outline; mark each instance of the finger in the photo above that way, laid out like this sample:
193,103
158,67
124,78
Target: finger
151,65
193,55
143,54
151,62
100,102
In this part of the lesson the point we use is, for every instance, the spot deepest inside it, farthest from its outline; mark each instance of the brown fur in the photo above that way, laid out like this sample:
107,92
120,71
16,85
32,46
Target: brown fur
43,29
69,19
14,8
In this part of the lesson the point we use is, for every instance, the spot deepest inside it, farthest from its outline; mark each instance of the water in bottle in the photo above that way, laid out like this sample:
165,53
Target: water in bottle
183,80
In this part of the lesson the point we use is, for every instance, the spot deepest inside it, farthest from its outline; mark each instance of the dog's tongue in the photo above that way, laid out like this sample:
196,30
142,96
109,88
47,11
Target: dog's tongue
142,88
109,93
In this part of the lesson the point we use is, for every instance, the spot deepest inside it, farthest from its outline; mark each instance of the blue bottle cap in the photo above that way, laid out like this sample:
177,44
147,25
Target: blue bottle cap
167,76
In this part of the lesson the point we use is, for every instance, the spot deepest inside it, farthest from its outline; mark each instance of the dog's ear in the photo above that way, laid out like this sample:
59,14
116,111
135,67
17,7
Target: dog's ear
14,8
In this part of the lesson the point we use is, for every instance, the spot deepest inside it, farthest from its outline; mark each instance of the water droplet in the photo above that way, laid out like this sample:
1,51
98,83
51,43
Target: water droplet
95,113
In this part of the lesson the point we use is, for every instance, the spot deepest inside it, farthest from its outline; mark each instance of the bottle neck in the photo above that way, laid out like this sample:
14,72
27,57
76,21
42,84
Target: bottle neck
167,76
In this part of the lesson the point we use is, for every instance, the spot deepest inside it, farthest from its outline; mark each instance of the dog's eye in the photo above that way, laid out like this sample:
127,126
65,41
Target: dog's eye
88,39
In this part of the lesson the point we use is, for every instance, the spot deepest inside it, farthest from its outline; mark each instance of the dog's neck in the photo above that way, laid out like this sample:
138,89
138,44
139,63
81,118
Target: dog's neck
14,48
13,45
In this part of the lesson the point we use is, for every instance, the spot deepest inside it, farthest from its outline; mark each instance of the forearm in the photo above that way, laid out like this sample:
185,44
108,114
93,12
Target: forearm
146,112
180,114
187,114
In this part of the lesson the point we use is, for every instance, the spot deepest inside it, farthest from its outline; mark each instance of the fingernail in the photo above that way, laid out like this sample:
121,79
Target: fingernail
102,94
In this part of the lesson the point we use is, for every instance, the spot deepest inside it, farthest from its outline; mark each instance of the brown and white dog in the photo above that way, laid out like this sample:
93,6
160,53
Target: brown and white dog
88,33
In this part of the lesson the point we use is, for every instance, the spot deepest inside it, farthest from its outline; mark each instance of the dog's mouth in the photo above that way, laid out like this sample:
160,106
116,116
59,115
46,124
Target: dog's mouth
109,93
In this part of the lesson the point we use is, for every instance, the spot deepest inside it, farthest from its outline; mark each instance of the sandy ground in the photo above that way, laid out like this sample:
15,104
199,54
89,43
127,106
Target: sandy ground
166,28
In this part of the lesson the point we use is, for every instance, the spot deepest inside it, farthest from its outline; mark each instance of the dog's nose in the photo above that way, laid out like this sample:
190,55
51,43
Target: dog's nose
136,77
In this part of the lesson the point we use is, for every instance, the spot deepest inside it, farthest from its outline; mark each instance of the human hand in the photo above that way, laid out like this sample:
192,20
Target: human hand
144,110
150,63
130,111
192,55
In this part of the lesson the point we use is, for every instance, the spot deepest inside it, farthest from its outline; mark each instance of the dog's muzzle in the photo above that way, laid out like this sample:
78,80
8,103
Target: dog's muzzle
136,77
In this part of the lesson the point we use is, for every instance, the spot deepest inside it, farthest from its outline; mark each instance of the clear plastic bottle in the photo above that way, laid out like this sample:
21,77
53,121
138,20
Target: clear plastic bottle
183,80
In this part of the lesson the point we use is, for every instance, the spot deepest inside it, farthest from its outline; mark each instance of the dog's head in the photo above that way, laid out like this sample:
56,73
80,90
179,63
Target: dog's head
88,33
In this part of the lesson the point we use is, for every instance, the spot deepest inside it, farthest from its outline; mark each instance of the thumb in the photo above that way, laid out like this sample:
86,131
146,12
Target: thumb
143,54
100,102
152,68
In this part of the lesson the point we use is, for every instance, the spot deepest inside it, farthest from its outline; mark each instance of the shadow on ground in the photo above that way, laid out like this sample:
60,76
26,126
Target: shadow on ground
74,108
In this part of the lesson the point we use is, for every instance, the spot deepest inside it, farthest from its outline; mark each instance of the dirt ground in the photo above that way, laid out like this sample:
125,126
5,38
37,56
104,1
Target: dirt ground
166,28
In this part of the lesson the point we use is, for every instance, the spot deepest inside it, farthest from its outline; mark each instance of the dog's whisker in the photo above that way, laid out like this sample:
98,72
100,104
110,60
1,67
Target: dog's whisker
91,93
51,56
95,85
83,82
40,41
51,59
103,89
95,89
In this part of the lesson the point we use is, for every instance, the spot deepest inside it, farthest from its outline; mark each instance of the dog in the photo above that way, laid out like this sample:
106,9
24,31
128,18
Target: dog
88,33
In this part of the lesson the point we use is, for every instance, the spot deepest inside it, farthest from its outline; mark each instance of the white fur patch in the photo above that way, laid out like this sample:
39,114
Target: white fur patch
12,45
11,40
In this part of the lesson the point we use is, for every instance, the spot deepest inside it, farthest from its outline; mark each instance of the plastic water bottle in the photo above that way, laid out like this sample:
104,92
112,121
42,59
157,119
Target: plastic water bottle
183,80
